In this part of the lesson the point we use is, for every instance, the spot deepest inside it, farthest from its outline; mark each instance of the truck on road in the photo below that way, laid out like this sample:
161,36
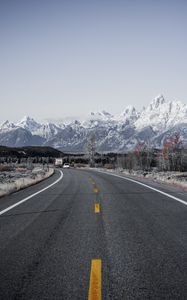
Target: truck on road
58,162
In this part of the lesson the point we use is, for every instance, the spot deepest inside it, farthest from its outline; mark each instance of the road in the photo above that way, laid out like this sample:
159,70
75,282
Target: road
93,235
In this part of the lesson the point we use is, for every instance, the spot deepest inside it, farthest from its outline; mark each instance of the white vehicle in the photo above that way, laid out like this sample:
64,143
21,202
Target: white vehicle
66,166
58,162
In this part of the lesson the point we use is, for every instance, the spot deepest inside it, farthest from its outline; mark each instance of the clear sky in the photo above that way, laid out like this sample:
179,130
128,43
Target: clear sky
71,57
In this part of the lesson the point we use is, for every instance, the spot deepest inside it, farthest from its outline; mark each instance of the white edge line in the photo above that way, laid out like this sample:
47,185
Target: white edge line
147,186
31,196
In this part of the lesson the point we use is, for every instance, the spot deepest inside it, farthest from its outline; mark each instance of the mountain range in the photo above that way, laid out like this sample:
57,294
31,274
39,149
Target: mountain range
153,125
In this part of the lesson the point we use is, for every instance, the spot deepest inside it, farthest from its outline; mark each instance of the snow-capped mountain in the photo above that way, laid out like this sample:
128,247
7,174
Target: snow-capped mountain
162,115
96,119
29,124
46,131
122,132
128,116
7,126
103,115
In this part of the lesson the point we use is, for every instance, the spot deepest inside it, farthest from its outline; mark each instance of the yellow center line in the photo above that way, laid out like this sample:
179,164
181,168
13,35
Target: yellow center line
96,190
95,280
91,180
97,208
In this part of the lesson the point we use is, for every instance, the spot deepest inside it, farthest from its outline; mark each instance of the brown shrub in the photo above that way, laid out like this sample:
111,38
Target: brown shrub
109,166
80,165
5,168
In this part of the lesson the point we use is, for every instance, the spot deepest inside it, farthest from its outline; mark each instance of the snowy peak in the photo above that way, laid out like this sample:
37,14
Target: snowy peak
6,126
48,130
121,132
128,116
157,105
97,119
157,102
129,112
161,114
29,124
26,120
101,115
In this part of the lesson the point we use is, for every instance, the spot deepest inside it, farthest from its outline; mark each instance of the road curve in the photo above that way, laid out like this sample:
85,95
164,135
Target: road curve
133,238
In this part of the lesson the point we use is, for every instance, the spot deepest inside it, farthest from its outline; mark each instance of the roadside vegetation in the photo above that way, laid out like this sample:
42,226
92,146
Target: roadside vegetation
21,165
13,179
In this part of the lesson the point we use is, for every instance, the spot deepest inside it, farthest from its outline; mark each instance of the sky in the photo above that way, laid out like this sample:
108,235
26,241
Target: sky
66,58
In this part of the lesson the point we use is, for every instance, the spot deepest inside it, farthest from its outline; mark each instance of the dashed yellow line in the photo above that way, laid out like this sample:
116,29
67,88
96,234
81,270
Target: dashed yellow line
95,280
97,208
96,190
91,180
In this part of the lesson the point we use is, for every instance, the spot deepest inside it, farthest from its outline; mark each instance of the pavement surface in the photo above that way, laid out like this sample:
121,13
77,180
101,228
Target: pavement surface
93,236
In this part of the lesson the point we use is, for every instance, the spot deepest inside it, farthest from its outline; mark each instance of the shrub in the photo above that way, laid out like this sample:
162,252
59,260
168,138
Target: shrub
5,168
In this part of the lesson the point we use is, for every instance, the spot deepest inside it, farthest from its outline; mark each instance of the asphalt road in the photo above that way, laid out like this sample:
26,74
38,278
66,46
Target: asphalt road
137,236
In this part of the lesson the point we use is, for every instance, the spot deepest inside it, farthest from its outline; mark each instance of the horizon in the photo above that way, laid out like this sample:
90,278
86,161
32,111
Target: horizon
69,119
63,59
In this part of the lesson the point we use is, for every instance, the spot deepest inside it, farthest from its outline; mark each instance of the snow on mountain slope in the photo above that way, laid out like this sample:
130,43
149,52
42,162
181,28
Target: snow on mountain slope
113,133
29,124
128,116
179,129
162,115
46,131
104,115
96,119
7,126
19,137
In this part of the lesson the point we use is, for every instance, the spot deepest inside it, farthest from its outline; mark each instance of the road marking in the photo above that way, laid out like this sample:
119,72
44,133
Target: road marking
96,190
147,186
91,180
95,280
97,208
31,196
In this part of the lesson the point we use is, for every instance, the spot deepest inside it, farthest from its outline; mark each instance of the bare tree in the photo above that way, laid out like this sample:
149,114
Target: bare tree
91,147
172,151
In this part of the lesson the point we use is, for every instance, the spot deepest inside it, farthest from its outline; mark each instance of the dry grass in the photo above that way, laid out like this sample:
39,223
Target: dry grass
5,168
21,183
108,166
